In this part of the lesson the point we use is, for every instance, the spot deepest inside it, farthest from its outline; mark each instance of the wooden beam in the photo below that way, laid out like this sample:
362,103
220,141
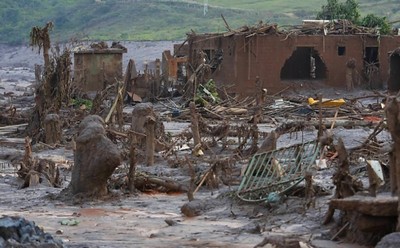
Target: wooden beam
382,205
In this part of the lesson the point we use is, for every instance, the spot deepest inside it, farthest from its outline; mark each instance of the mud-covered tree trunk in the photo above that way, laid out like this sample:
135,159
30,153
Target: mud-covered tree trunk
132,164
139,117
96,158
54,85
393,123
52,129
150,138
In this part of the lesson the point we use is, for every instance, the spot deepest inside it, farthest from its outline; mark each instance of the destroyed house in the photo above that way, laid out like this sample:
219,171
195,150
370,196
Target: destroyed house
97,66
317,54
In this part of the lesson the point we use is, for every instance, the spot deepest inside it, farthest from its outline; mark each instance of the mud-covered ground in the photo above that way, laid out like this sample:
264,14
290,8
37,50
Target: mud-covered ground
139,220
142,52
154,219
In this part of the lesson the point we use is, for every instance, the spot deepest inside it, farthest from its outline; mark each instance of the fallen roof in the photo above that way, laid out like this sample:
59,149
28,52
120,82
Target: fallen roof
309,27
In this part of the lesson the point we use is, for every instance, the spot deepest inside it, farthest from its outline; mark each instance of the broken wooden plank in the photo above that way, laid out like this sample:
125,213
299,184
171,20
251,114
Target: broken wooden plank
382,205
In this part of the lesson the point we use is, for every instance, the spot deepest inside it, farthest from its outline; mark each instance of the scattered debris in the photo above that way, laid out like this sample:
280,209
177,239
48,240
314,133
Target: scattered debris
263,152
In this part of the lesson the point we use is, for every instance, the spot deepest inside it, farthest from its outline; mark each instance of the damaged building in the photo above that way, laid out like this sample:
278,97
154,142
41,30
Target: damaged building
316,54
394,78
97,66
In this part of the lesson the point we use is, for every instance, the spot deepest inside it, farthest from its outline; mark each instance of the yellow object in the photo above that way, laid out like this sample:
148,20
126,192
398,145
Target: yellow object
327,103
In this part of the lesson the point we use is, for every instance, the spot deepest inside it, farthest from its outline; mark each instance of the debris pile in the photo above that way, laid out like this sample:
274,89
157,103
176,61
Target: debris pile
309,27
19,232
334,27
36,171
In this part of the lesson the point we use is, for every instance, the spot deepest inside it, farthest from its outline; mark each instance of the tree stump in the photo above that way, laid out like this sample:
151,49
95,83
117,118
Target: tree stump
150,137
52,129
96,158
140,115
393,124
132,164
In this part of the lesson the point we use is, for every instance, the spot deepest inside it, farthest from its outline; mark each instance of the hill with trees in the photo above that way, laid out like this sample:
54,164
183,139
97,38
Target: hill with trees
156,19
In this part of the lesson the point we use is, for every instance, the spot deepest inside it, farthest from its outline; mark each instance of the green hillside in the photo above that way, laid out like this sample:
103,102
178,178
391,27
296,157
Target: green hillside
155,19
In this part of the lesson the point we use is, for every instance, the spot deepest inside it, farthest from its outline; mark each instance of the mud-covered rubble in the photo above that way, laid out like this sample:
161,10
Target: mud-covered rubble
19,232
177,168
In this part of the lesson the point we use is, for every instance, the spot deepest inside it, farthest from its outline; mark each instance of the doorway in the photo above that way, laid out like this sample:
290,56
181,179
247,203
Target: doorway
371,67
394,75
304,64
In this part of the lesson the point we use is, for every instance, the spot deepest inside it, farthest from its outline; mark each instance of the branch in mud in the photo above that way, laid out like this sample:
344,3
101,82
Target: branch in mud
98,106
35,171
145,182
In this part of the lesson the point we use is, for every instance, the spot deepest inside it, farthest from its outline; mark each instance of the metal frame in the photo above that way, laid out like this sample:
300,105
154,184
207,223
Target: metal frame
276,171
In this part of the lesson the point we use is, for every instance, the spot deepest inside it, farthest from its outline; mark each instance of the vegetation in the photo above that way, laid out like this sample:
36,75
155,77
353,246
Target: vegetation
372,20
334,10
80,102
207,93
156,19
350,10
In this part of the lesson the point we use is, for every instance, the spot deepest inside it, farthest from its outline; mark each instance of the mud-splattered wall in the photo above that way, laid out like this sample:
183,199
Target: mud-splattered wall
94,69
282,60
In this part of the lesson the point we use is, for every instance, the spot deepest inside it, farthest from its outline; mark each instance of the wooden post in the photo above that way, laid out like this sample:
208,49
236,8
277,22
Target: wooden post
192,174
150,136
119,110
309,191
52,129
260,99
157,81
320,131
132,164
248,59
28,158
146,73
194,123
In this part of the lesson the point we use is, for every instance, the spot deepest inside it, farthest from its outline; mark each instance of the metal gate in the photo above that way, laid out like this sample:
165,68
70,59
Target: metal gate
276,172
